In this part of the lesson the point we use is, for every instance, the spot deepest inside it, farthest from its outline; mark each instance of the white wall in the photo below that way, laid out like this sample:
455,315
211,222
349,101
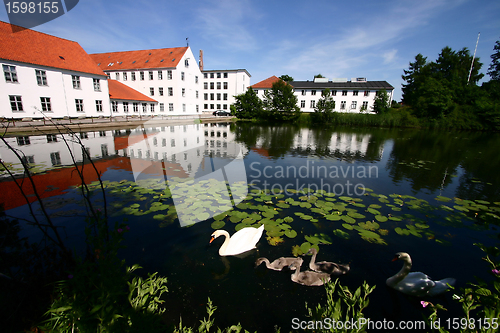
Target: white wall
59,89
237,83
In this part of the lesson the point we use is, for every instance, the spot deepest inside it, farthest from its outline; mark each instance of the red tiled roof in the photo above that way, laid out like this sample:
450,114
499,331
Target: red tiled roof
142,59
118,90
36,48
267,83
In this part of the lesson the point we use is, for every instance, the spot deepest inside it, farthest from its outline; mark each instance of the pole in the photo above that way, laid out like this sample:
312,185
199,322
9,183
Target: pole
473,58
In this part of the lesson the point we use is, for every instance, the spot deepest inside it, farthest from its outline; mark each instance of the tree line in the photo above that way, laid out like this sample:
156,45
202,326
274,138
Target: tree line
440,93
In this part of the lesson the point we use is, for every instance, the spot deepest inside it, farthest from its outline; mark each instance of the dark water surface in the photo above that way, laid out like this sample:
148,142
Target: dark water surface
404,166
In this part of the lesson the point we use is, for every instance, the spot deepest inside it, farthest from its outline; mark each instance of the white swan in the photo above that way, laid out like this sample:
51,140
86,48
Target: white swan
308,278
277,264
242,241
326,266
416,283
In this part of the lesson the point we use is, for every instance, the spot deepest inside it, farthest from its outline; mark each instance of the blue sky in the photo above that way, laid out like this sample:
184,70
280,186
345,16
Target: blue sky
339,39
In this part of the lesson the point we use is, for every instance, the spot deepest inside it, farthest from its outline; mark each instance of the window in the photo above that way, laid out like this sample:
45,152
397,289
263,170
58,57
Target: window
41,77
144,107
342,105
225,75
136,107
183,92
124,76
76,81
114,106
303,92
218,97
365,105
170,91
197,110
186,63
141,76
224,97
313,92
152,108
344,92
183,107
151,75
28,160
196,79
218,85
10,73
205,97
16,104
211,75
313,104
97,85
23,140
152,91
162,107
196,94
212,97
45,101
225,85
98,106
334,92
117,76
171,107
51,138
302,104
125,107
104,150
354,105
55,158
132,76
355,93
169,75
160,75
79,105
205,85
218,75
182,76
367,93
205,75
211,85
160,91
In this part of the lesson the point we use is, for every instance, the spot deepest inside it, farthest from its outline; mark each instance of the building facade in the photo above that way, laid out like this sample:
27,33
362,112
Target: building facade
52,78
220,87
170,76
355,95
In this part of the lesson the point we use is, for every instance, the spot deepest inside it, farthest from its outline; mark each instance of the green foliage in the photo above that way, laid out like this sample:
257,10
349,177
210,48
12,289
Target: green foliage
280,103
342,306
100,295
381,102
286,78
494,69
323,111
247,105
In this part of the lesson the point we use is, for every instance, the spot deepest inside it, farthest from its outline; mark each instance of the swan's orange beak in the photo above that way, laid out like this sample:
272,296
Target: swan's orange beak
212,239
395,258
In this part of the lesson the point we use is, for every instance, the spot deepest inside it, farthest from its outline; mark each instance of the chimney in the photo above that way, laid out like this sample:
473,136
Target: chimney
201,60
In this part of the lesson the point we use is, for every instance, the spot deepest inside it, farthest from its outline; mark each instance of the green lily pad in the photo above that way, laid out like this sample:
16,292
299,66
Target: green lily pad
348,219
291,233
381,218
218,224
340,233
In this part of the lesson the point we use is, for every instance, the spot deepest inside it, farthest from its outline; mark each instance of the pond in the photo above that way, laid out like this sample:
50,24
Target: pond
358,195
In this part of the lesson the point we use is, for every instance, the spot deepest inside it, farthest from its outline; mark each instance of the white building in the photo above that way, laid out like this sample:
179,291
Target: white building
43,73
220,87
170,76
350,96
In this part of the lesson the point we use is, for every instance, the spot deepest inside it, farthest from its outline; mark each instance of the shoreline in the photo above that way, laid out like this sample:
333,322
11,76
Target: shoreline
13,127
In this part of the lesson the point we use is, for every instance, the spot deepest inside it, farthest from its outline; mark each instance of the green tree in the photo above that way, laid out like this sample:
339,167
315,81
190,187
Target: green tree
247,105
318,76
494,69
412,77
280,103
323,111
381,102
286,78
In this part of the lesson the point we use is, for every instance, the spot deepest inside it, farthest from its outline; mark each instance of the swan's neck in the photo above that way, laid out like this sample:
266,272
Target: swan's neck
222,249
401,274
267,262
297,269
312,263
